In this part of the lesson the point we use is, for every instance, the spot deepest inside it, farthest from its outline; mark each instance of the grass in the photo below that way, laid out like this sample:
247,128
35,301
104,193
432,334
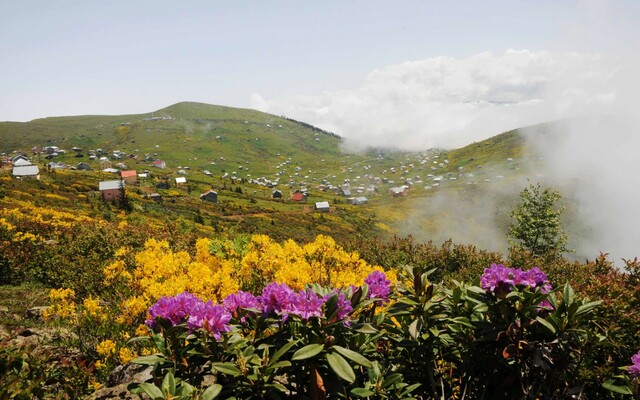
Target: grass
17,300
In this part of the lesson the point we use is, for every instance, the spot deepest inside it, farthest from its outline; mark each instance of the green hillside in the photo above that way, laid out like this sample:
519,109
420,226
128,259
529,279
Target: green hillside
228,149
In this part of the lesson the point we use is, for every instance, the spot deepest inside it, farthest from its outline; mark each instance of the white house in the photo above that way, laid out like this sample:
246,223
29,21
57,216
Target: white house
322,206
26,171
180,180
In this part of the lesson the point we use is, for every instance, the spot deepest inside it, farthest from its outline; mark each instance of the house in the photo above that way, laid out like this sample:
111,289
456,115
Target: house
398,191
121,166
21,162
83,166
298,196
210,195
360,200
110,190
26,171
322,206
346,191
110,170
159,164
155,197
19,157
276,194
181,180
105,164
129,176
56,165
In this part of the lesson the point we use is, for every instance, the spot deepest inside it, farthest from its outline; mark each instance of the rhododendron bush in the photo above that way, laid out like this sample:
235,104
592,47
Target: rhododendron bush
252,318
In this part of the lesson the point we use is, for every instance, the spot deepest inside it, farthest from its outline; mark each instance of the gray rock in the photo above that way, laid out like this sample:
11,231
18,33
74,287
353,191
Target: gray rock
116,385
35,313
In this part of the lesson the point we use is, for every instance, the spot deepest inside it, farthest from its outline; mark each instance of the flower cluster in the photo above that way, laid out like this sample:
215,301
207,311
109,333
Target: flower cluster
276,299
500,279
379,285
174,309
634,369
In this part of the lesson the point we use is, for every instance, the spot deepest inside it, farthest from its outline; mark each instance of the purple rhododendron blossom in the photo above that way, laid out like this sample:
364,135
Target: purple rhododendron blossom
235,302
634,369
174,309
379,285
497,278
276,298
501,279
306,304
238,300
344,306
213,318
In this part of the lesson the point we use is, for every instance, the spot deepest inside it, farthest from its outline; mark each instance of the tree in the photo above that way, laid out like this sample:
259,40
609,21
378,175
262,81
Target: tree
536,226
124,203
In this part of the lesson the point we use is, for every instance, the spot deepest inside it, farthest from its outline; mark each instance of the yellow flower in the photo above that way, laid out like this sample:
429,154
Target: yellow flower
91,307
106,348
142,330
125,355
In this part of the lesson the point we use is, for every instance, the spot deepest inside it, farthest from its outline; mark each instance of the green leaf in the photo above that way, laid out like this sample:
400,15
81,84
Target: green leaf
169,384
415,328
568,294
281,351
212,392
307,351
280,364
367,328
152,391
616,388
158,340
354,356
150,360
362,392
341,367
546,324
227,368
139,339
585,308
392,380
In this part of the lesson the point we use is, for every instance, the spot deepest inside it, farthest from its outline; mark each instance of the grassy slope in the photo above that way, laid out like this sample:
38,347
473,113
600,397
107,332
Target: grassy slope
200,134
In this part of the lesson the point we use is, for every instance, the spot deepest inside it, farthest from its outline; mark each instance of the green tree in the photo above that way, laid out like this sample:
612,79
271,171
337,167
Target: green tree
536,225
124,203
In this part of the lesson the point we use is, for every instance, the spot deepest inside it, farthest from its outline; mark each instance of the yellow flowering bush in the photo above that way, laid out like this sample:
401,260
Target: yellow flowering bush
321,261
62,304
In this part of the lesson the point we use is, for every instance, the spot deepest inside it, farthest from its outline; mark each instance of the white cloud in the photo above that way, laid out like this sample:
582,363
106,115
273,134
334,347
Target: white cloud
450,102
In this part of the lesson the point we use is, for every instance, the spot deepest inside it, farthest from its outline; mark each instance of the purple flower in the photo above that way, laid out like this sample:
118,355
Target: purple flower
498,278
379,285
306,304
523,278
635,368
236,302
276,298
213,318
344,306
173,309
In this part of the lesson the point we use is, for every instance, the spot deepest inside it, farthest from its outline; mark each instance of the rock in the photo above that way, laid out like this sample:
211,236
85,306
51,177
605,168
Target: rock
36,312
116,385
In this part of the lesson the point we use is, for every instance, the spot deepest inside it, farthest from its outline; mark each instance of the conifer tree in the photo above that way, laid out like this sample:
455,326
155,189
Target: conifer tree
536,225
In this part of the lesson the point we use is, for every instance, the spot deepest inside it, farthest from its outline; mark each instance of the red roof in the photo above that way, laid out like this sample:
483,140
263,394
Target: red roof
297,196
127,174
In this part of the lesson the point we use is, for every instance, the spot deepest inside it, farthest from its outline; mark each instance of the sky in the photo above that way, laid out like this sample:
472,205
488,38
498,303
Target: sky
358,68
